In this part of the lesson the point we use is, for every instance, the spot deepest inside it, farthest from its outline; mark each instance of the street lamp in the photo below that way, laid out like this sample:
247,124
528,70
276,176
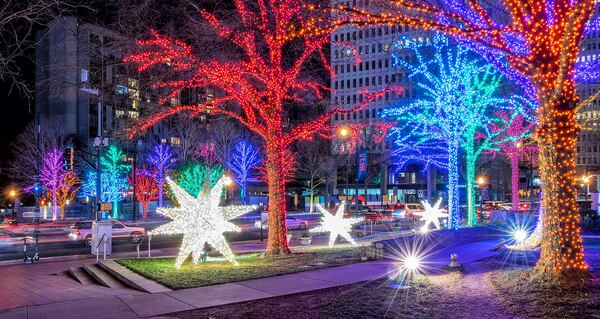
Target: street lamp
227,180
13,195
481,182
586,181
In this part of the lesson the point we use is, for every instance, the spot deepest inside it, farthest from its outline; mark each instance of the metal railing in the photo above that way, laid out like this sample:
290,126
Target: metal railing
102,241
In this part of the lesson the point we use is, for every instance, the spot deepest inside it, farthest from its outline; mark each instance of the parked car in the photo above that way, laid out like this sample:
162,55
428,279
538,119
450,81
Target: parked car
291,222
82,230
411,209
378,216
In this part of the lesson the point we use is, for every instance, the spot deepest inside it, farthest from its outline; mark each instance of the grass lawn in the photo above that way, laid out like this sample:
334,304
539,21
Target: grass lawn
363,300
571,298
251,266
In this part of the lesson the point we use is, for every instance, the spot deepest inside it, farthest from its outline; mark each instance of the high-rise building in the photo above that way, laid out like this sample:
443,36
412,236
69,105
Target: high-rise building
588,144
361,60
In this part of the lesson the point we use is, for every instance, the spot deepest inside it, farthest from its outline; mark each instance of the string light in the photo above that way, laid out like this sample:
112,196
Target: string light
146,188
254,90
161,160
431,215
113,179
244,161
201,221
192,175
336,225
540,42
456,112
52,175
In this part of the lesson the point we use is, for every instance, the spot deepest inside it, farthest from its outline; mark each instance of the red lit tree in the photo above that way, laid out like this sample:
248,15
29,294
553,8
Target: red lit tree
257,88
536,42
146,188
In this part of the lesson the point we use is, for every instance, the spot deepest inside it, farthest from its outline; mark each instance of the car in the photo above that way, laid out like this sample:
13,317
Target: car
291,222
82,230
9,241
378,216
412,208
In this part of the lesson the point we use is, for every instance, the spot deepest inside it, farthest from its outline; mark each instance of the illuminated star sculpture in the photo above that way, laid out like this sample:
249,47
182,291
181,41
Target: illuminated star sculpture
201,221
336,225
431,215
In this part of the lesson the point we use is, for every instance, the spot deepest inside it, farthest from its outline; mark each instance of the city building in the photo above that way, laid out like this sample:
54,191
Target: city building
588,144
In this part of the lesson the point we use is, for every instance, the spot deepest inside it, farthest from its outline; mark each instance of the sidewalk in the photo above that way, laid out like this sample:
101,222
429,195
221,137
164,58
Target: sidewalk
134,304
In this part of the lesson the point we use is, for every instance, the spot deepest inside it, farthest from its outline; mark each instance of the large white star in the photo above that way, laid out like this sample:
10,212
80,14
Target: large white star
431,215
201,221
336,225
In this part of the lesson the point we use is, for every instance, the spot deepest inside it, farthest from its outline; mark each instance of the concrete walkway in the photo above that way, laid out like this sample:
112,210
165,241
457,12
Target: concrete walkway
133,304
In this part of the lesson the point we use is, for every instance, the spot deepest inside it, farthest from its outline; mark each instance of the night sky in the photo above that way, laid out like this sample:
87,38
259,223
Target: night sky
17,111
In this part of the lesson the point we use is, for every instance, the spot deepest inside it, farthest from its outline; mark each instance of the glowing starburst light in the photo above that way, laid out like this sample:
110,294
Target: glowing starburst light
336,225
431,215
201,221
520,235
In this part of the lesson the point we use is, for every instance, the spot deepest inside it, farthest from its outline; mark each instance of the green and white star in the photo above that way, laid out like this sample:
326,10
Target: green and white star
431,215
336,225
201,220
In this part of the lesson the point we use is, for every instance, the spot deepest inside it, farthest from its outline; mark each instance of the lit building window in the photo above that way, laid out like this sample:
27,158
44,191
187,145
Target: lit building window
175,140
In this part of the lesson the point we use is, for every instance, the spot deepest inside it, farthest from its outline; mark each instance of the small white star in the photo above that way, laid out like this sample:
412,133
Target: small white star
336,225
431,215
201,221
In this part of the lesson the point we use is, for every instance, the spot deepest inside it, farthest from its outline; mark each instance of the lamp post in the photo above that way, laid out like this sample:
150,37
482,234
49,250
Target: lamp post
586,181
228,181
481,183
13,195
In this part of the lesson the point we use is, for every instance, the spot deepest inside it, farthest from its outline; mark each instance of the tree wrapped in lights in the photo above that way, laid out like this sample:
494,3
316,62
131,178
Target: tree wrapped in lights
459,96
161,160
503,128
515,146
52,176
146,187
191,176
68,191
536,43
256,89
113,179
244,161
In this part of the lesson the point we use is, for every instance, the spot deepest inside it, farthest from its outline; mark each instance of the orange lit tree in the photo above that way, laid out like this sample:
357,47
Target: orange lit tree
258,87
536,42
67,191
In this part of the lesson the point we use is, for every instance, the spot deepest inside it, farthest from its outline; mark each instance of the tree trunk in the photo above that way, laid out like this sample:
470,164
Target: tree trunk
145,209
471,192
514,181
312,199
562,250
62,212
243,193
160,194
454,219
54,207
275,170
115,214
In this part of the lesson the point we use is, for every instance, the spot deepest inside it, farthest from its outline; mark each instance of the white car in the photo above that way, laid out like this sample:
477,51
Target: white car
82,230
290,221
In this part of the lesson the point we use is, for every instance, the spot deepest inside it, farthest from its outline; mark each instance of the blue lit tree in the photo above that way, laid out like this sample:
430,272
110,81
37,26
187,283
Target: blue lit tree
161,160
114,181
244,161
458,100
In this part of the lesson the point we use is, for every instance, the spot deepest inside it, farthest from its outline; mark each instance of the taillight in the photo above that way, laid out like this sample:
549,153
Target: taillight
78,233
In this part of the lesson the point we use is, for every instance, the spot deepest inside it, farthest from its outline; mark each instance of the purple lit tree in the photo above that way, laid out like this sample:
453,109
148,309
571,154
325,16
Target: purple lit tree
244,160
161,160
52,176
